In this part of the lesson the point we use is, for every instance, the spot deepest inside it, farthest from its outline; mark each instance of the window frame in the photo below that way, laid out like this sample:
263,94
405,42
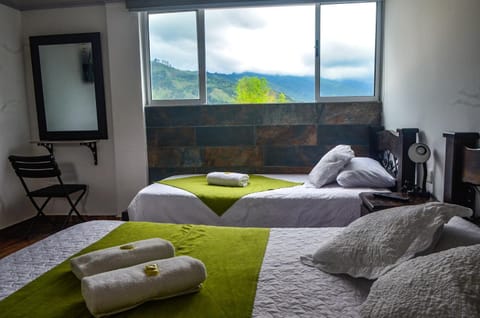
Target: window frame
200,25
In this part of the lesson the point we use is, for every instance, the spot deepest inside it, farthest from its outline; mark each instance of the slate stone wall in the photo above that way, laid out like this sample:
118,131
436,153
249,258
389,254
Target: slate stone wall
276,138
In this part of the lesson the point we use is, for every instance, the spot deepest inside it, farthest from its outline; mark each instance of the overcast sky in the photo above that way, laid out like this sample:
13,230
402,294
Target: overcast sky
273,40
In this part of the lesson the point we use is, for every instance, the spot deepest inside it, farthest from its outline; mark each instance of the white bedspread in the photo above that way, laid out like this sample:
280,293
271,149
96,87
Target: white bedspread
286,288
299,206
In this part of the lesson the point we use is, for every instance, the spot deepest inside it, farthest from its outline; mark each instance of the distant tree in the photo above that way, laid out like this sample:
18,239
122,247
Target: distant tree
282,98
254,90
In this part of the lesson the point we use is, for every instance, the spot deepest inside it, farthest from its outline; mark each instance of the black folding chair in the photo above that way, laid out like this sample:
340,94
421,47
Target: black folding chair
46,167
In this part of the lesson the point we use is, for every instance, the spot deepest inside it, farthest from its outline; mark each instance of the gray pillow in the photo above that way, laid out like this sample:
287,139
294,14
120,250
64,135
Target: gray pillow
378,242
443,284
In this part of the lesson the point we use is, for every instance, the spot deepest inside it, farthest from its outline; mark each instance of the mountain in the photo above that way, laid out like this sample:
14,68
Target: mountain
171,83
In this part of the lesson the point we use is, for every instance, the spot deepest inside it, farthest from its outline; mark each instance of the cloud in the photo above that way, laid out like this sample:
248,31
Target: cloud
238,18
344,60
271,40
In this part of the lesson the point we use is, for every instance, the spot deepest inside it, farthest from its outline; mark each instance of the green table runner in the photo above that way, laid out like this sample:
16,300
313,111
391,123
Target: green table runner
232,256
220,198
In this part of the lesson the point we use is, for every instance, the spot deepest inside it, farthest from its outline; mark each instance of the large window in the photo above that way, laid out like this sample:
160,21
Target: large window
347,49
173,56
283,54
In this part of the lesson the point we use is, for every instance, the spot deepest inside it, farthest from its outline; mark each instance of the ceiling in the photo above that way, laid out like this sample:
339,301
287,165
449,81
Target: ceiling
49,4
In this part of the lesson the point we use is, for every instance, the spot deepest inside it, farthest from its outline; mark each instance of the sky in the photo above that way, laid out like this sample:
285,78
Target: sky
271,40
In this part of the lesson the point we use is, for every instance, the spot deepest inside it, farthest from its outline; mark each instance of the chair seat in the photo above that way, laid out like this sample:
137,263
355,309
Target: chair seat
57,190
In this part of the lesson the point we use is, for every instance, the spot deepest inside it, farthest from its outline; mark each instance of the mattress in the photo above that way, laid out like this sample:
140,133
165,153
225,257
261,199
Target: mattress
298,206
286,288
285,285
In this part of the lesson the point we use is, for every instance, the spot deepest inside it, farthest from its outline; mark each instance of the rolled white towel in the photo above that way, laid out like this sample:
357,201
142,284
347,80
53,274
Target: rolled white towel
121,256
230,179
122,289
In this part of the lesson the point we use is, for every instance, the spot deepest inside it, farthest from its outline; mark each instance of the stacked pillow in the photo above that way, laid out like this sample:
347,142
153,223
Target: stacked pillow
444,284
365,172
390,246
327,169
341,165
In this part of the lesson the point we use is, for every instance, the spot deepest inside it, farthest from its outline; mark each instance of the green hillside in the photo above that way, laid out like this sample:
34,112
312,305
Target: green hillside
171,83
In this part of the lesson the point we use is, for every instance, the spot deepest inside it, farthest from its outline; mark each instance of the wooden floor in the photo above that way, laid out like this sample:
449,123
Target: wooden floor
15,237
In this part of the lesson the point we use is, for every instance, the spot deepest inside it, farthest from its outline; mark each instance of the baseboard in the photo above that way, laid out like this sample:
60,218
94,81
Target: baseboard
58,219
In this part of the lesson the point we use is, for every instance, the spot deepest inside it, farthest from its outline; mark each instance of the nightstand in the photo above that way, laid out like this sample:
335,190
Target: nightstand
371,203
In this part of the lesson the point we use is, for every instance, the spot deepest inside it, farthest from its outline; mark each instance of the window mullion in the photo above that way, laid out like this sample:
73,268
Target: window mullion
145,44
378,51
317,53
201,56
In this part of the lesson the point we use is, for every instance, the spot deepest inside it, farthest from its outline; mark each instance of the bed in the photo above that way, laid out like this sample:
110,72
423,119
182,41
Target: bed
285,287
462,168
299,206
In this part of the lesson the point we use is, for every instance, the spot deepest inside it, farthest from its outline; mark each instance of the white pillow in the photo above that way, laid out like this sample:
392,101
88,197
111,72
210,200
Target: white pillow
378,242
327,169
443,284
365,172
458,232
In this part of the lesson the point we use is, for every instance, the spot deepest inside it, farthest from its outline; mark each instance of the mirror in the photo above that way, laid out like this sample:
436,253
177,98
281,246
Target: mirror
69,89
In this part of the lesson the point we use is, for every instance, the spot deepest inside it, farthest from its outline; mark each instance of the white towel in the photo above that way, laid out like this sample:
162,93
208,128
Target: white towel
122,289
230,179
121,256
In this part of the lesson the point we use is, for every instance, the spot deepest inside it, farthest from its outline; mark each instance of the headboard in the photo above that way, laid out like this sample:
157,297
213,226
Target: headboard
391,149
462,168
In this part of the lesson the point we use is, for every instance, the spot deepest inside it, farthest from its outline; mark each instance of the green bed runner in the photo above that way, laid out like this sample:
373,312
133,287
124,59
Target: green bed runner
232,256
220,198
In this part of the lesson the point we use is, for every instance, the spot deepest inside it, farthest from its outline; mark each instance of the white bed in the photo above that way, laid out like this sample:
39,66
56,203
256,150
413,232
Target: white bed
286,288
299,206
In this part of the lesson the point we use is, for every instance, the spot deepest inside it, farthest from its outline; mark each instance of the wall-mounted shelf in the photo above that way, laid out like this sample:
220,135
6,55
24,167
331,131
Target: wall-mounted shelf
90,144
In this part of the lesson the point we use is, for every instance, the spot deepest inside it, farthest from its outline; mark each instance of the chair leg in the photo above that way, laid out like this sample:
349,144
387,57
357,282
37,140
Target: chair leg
74,209
40,209
39,215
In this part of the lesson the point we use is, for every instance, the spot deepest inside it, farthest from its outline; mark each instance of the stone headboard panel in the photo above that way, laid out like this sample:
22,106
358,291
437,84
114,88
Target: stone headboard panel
274,138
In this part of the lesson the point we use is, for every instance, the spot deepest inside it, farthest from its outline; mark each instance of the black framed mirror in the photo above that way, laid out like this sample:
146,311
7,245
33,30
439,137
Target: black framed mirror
69,89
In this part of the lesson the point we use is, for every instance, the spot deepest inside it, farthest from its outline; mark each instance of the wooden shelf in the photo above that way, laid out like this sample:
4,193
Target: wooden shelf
90,144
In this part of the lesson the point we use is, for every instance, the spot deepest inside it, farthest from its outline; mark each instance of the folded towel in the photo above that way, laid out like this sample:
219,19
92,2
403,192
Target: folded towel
121,256
230,179
122,289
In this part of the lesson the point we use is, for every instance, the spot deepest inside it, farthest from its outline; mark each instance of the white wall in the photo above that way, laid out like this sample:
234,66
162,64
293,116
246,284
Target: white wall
122,163
14,127
432,71
126,89
76,161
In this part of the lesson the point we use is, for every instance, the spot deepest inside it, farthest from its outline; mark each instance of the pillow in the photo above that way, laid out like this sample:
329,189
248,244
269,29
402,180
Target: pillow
365,172
443,284
458,232
326,170
378,242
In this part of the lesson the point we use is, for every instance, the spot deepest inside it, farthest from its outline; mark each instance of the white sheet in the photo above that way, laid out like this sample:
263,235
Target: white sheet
299,206
286,288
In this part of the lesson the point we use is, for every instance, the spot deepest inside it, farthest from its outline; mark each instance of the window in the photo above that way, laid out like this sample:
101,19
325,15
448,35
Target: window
277,54
173,56
244,46
347,49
